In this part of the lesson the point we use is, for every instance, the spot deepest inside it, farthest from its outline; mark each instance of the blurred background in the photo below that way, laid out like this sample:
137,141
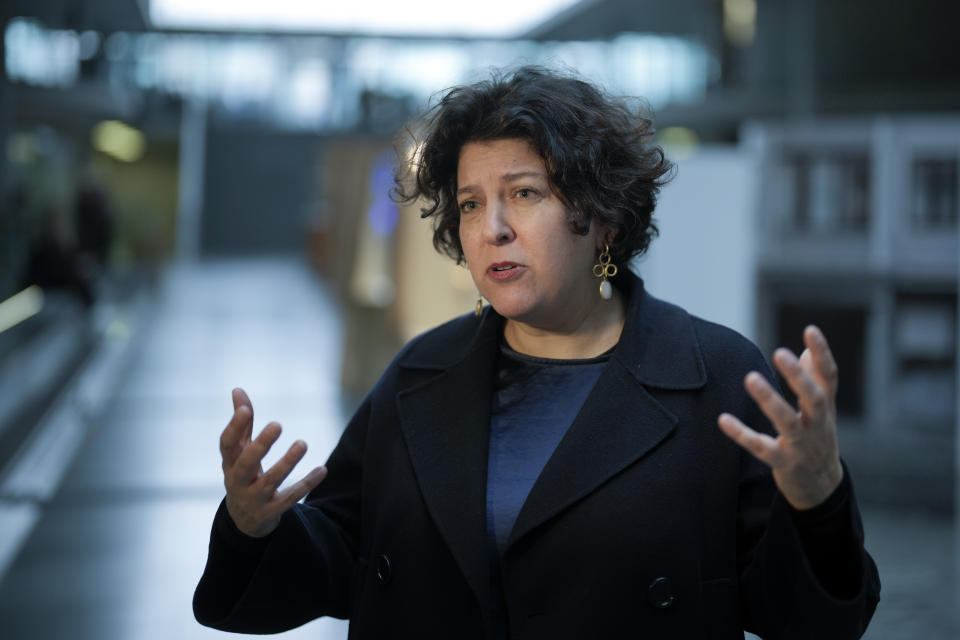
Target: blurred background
194,197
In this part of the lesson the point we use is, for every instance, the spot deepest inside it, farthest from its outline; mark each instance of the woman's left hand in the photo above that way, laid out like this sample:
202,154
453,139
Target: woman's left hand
804,456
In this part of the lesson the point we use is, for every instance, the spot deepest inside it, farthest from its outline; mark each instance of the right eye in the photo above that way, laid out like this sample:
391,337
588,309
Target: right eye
468,205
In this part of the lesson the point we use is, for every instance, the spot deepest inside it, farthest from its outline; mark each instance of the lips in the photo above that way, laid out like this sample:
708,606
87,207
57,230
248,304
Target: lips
504,271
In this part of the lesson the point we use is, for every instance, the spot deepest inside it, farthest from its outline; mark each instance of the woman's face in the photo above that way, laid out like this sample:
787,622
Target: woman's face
521,251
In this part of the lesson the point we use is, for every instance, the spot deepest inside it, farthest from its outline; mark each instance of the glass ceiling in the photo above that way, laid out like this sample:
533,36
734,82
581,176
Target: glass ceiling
320,82
491,19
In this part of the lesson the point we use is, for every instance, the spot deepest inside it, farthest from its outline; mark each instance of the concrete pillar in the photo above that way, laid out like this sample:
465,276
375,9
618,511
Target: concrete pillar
801,59
193,148
885,209
8,264
956,441
6,102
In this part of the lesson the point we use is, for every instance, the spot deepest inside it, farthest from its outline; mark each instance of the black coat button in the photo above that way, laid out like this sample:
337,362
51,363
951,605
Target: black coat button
384,569
660,593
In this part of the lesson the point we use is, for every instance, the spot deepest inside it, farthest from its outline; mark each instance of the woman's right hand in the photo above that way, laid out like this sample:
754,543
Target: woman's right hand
253,501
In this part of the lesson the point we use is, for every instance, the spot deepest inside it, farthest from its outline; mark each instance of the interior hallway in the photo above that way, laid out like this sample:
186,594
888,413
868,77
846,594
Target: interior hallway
114,551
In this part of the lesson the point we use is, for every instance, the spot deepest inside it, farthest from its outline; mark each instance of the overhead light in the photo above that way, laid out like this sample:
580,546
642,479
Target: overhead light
20,306
498,18
118,140
740,21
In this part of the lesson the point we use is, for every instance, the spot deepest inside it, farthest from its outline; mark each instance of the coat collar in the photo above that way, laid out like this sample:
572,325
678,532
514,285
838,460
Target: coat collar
658,345
446,421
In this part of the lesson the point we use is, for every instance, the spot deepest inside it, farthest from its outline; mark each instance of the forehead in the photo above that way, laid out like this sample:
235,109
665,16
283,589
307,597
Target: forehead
497,158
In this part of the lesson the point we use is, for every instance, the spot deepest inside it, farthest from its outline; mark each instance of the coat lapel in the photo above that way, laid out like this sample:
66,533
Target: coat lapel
446,425
620,421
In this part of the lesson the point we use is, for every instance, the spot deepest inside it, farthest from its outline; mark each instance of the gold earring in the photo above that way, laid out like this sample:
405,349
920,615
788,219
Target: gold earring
605,269
479,308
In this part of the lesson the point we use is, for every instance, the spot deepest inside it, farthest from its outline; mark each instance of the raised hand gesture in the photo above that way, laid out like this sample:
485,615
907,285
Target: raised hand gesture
253,501
804,456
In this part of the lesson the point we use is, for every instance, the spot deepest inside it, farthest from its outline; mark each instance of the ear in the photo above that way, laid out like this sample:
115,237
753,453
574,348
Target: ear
605,236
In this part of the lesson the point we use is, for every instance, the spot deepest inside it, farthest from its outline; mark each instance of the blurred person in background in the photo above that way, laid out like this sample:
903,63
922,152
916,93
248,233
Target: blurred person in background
71,257
94,224
551,465
56,262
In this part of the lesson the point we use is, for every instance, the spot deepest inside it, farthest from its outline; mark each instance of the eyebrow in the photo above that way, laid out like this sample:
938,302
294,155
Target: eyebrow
508,177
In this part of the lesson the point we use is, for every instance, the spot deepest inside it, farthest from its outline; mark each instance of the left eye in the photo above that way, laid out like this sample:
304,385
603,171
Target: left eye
524,193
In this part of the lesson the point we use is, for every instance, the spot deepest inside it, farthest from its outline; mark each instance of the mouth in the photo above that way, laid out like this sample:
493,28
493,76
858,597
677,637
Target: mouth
503,271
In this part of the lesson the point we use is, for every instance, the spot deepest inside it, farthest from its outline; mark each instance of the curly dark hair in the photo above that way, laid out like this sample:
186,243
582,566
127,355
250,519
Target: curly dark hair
596,150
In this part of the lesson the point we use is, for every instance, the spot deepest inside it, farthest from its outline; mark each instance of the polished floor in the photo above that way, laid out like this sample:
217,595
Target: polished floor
105,540
116,551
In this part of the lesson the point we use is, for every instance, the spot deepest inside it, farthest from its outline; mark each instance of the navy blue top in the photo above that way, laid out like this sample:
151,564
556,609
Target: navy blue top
534,403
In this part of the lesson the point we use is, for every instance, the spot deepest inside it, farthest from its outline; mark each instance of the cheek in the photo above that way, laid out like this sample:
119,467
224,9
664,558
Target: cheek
581,258
575,250
467,245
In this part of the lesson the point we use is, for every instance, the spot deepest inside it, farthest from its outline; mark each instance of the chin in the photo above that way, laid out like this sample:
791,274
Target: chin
511,308
511,312
518,311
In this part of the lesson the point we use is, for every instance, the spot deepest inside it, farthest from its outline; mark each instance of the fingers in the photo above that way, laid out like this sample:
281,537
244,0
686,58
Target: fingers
811,395
232,438
247,466
804,457
292,494
785,418
813,377
240,399
237,432
824,366
253,500
760,445
275,475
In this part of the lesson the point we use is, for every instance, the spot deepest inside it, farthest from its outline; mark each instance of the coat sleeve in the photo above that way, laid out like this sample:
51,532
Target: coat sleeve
802,574
301,571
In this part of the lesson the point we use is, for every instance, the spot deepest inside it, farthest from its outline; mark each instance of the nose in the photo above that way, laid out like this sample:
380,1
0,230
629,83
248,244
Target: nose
496,224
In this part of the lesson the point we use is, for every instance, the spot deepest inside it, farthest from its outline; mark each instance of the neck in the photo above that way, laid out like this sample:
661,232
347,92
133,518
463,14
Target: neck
595,332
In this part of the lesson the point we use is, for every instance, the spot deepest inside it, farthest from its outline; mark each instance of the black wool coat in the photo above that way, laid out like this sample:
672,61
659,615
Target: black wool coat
647,522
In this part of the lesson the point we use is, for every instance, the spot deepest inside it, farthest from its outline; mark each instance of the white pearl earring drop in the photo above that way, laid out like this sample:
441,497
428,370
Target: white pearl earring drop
605,269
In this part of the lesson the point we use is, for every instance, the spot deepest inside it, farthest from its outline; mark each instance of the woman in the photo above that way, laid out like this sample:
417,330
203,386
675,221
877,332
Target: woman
552,466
